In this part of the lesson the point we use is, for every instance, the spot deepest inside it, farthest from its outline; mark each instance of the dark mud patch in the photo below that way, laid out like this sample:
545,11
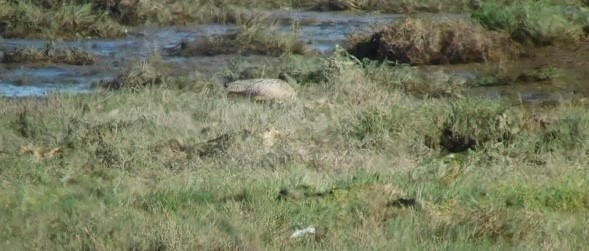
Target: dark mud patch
419,42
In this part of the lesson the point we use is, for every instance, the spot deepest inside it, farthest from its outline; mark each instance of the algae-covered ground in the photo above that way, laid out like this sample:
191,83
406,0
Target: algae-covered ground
381,149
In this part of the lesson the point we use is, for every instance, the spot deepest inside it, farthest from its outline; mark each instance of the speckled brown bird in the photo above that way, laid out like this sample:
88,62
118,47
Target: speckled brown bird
262,90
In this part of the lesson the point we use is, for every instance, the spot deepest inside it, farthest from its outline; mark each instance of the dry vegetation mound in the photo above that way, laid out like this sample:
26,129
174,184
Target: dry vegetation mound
421,42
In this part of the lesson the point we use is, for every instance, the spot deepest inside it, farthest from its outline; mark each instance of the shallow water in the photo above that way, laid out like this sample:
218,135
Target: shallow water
321,30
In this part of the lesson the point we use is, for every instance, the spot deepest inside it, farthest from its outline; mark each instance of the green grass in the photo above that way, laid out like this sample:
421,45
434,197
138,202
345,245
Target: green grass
352,151
24,19
537,22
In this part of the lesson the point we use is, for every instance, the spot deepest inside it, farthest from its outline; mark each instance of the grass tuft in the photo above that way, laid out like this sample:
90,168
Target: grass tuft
253,39
49,55
146,73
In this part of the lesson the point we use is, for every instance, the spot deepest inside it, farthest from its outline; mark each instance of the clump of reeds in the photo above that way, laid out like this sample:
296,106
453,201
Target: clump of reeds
145,73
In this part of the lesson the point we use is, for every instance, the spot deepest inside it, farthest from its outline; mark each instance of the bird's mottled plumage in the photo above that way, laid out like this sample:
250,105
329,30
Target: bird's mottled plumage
273,90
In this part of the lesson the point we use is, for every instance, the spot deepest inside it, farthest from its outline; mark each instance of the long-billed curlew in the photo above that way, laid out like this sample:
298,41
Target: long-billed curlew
261,89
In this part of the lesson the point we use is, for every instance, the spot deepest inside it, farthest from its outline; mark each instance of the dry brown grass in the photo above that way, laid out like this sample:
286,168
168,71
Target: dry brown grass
418,42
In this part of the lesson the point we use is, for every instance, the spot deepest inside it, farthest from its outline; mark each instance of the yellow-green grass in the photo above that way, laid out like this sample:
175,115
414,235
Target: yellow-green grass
353,156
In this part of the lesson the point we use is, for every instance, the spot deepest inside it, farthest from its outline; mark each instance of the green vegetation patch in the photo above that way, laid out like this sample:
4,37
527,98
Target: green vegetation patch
30,19
537,22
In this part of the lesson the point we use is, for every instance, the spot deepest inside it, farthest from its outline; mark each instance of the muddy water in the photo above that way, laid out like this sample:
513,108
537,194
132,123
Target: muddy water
321,30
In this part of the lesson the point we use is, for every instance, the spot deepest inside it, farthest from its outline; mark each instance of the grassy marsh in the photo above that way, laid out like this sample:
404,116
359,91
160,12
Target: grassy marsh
355,156
373,156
